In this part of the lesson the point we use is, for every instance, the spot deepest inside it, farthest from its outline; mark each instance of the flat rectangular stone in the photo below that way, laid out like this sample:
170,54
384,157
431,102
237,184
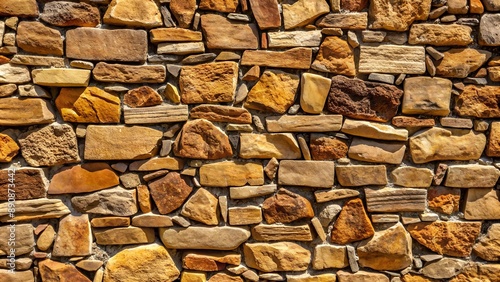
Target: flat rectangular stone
124,235
456,122
385,218
306,173
59,77
129,74
344,21
427,96
334,194
482,204
156,114
296,58
34,209
376,152
287,39
223,33
95,44
361,175
392,59
265,232
245,192
181,48
174,35
22,112
374,130
440,34
472,176
229,173
245,215
39,61
304,123
396,199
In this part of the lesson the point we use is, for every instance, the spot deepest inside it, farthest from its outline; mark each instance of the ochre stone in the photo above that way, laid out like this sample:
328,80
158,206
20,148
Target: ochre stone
446,237
112,221
493,149
157,164
183,11
55,271
352,224
61,77
373,130
335,56
329,256
225,6
300,172
459,63
299,58
471,176
397,16
269,145
124,235
361,175
20,8
171,34
282,256
223,277
314,90
61,13
440,35
418,99
222,33
74,237
230,173
444,200
478,272
285,207
169,192
88,105
266,13
325,147
274,92
223,238
482,204
361,276
202,207
372,151
218,113
303,12
488,247
88,177
408,176
143,96
133,13
479,101
8,149
209,261
34,209
37,38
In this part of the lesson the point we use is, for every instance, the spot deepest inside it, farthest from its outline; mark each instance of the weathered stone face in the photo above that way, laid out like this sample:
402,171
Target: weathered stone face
397,16
352,224
84,178
170,192
285,207
34,37
335,56
30,183
61,13
459,63
283,256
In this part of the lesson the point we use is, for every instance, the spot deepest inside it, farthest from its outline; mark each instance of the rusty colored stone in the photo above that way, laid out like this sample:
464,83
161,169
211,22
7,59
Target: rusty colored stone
352,224
29,184
88,177
169,192
444,200
55,271
285,207
37,38
143,96
325,147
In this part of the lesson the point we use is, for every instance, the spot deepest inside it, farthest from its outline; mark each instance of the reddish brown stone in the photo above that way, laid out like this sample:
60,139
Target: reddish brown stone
143,96
84,178
55,271
37,38
4,60
409,122
327,148
200,139
493,149
266,13
20,8
61,13
29,184
443,199
354,5
446,237
363,100
285,207
352,224
170,192
219,113
209,261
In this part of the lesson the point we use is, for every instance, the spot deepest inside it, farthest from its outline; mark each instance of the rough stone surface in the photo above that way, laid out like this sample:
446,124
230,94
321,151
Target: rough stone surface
418,100
460,62
25,240
324,147
440,35
222,33
373,130
488,247
56,271
143,96
128,73
35,209
335,56
361,175
488,33
478,101
352,224
374,151
361,276
443,200
11,73
329,256
218,113
23,8
286,207
133,13
35,37
116,201
412,177
170,192
61,13
299,58
471,176
282,256
395,199
482,204
397,16
392,59
8,149
304,123
30,183
302,13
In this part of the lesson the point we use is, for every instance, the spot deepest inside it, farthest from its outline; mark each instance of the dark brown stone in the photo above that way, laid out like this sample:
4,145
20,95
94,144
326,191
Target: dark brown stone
352,224
409,122
285,207
444,200
358,99
219,113
62,13
170,192
327,148
37,38
266,13
143,96
200,139
29,184
353,5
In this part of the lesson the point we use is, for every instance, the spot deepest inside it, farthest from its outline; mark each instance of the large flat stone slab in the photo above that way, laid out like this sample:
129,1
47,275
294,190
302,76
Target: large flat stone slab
440,35
34,209
74,237
471,176
427,96
60,77
304,123
88,177
22,112
204,238
124,235
306,173
392,59
157,114
230,173
122,45
361,175
129,73
222,33
395,199
296,58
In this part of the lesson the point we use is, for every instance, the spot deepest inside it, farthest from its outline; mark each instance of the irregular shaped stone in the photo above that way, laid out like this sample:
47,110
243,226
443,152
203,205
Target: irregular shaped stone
133,13
459,63
181,48
74,237
314,90
88,105
478,272
325,147
17,276
408,176
361,175
397,16
274,92
223,277
263,232
209,261
352,224
266,13
443,268
345,21
129,74
244,215
21,235
302,13
376,152
218,113
10,73
443,200
8,150
493,149
286,207
440,35
445,237
488,247
304,123
251,191
392,59
479,101
120,142
374,130
488,33
200,139
60,77
143,96
361,276
197,83
157,164
202,207
482,204
230,173
388,249
88,177
33,60
335,56
225,6
124,236
329,256
395,199
294,39
51,145
34,209
334,194
471,176
140,264
35,37
282,256
446,144
295,58
354,5
418,100
183,11
169,192
62,13
222,33
55,271
363,100
204,238
266,146
298,173
20,8
116,201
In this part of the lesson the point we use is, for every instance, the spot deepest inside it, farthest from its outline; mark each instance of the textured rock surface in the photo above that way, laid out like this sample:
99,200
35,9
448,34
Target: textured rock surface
230,173
128,73
35,37
482,204
418,100
335,56
282,256
286,207
352,224
53,270
116,201
61,13
266,146
392,59
74,237
170,192
399,15
297,172
460,63
488,247
440,35
395,199
134,13
224,33
478,102
204,238
202,207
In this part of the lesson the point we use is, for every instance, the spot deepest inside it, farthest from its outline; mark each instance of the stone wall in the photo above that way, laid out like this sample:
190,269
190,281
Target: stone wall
249,140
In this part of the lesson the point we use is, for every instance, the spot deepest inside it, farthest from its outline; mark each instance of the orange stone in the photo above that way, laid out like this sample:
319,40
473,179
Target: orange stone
8,148
84,178
352,224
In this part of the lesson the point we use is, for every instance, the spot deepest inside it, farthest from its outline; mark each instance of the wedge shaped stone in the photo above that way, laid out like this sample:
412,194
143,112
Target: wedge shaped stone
202,207
352,224
124,235
50,269
204,238
482,204
170,192
22,112
269,145
306,173
266,13
409,176
302,13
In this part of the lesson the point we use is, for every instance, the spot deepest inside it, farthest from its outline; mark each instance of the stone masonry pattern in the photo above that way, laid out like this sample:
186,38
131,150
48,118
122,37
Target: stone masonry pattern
249,140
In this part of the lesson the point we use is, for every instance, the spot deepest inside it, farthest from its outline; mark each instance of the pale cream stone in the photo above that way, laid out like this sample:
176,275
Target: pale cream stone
289,39
304,123
392,59
409,176
246,192
314,90
376,152
266,146
374,130
472,176
59,77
